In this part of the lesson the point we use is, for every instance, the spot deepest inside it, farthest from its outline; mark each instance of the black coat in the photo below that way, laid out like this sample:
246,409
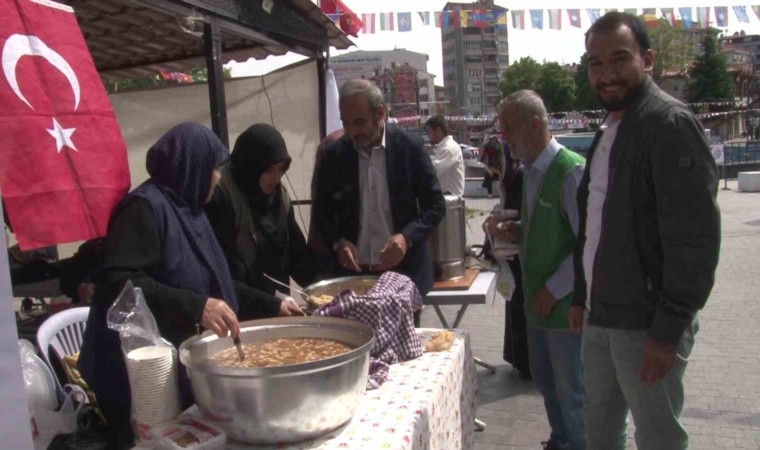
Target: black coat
417,203
247,267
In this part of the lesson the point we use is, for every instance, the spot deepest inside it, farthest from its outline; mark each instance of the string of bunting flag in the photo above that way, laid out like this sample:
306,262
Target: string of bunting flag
574,122
537,19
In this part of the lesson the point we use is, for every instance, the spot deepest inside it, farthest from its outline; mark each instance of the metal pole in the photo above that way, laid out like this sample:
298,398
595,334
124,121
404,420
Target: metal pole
321,82
213,41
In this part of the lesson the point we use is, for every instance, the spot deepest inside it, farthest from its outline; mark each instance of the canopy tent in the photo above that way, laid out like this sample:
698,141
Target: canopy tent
132,38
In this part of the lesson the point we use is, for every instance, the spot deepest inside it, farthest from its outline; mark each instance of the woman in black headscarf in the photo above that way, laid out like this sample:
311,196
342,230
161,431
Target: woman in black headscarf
515,349
160,239
256,226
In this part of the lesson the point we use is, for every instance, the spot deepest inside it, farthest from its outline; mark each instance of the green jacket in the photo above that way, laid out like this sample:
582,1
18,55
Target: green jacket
547,239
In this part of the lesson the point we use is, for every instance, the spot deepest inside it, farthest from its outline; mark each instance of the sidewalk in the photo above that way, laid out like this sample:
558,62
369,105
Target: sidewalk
722,409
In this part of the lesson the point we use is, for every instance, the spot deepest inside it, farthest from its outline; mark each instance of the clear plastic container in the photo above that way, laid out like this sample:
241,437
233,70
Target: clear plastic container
188,433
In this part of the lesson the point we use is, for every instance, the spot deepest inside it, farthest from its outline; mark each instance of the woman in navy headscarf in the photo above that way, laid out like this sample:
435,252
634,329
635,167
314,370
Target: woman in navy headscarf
160,239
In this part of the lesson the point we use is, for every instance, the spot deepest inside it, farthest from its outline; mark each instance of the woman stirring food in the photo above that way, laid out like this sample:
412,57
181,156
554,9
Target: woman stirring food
255,224
160,239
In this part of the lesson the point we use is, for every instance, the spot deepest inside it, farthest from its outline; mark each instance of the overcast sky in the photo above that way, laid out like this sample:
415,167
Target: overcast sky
564,46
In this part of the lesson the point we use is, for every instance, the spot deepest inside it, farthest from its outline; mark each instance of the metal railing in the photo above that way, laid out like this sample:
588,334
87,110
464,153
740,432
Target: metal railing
737,153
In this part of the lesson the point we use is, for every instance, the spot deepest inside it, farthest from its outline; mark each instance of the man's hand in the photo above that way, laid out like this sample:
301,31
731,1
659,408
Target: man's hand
348,255
543,302
575,318
508,231
219,318
289,307
656,362
394,251
490,221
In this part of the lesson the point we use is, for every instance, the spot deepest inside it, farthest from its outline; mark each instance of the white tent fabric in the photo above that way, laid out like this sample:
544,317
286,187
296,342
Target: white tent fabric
288,99
331,103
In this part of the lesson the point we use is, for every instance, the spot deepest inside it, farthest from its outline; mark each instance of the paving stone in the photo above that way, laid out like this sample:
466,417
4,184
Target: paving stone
722,382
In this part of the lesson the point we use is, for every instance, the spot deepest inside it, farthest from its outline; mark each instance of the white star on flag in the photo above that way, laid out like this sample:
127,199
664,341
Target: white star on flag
62,136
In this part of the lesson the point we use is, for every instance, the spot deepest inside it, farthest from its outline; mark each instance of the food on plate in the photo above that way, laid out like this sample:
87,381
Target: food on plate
440,341
281,352
320,300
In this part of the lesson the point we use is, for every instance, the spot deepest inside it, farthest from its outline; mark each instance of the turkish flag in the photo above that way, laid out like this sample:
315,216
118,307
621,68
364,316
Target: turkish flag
63,161
349,21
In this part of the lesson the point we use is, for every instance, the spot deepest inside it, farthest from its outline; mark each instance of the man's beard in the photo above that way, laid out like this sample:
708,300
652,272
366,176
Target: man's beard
621,104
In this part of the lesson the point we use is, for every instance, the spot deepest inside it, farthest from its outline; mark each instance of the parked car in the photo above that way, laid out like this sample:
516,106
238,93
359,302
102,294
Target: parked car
469,152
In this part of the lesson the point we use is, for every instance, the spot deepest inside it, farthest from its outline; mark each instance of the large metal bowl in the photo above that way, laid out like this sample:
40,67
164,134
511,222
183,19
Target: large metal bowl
360,284
271,405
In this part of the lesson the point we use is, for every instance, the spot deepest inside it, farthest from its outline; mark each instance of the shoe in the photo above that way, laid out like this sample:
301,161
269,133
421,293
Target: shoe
551,444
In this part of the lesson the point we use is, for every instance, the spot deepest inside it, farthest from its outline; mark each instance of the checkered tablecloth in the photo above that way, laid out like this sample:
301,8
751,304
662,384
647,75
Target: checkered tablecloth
427,403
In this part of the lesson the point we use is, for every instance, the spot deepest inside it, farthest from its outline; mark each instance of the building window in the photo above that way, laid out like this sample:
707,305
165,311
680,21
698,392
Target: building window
503,45
473,59
475,101
423,97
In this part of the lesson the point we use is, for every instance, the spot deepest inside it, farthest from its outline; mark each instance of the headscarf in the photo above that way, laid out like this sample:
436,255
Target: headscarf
257,149
183,160
181,164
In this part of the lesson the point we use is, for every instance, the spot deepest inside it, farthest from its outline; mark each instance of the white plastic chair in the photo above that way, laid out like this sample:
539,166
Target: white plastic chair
64,331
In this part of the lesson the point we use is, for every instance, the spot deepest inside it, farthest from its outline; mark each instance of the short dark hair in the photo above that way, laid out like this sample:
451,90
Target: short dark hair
438,121
615,19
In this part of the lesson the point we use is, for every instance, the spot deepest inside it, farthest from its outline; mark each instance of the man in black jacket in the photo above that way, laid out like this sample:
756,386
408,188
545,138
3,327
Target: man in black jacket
647,248
378,196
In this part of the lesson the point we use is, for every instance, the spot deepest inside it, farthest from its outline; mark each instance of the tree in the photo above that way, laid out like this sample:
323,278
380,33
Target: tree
710,79
672,48
199,75
524,74
585,98
556,87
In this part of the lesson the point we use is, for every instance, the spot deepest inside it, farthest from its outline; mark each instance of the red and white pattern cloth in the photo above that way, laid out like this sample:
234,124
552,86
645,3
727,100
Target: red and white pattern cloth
388,309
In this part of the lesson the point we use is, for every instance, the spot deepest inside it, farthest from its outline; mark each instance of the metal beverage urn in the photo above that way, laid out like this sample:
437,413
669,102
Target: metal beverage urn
448,241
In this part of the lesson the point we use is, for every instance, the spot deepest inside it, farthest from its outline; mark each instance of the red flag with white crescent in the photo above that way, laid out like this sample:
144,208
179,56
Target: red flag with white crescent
63,161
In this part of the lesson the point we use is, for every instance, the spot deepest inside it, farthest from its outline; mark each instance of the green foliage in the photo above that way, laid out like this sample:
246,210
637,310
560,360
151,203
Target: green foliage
673,49
524,74
199,75
556,87
553,83
585,99
710,80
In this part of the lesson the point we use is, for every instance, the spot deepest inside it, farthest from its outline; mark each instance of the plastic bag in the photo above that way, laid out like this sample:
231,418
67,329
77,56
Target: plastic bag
150,360
503,252
131,318
41,390
63,421
91,433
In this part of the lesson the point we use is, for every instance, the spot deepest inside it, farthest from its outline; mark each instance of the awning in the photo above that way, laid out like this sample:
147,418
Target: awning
134,38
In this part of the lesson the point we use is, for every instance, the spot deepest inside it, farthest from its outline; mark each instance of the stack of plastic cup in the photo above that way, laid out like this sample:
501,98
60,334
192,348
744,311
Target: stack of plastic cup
153,379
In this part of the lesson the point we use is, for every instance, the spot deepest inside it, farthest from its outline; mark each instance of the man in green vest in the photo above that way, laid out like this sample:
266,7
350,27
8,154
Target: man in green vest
547,235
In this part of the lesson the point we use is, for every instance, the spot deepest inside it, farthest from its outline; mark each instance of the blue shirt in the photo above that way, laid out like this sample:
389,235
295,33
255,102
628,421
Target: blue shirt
561,283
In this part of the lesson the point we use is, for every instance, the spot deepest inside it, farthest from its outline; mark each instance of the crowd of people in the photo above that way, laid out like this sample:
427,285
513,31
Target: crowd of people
206,234
617,251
